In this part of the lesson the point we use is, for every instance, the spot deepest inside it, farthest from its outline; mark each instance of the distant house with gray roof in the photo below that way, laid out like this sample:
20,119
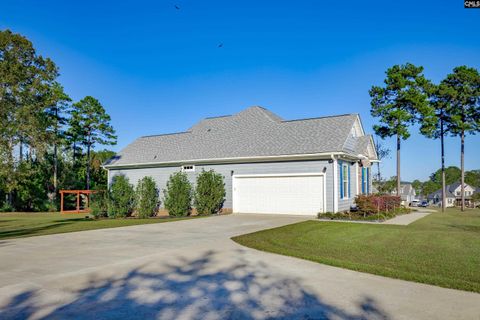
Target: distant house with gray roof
269,165
407,193
453,195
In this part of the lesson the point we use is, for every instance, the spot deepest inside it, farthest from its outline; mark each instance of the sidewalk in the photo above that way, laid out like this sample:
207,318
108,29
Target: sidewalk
406,219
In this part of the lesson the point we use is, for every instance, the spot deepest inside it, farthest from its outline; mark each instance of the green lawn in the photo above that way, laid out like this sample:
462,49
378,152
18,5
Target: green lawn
16,225
440,249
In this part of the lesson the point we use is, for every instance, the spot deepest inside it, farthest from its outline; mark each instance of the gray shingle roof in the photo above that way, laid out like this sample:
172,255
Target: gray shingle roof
253,132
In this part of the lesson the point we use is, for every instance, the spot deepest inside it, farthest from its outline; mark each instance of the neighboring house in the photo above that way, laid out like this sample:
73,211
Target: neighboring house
454,195
270,165
407,193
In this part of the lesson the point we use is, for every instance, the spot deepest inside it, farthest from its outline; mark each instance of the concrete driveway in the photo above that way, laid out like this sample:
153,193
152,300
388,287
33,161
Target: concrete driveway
192,270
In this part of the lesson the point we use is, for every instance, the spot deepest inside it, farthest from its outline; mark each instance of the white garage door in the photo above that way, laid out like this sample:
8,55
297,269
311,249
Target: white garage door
281,194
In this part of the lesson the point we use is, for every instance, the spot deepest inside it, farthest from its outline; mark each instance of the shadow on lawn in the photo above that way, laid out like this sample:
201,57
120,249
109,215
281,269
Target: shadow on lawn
188,289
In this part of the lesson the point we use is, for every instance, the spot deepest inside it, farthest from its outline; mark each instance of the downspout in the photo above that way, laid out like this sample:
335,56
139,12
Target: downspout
335,183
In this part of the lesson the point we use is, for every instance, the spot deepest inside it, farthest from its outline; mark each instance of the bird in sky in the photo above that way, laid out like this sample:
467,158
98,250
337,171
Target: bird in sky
220,45
177,7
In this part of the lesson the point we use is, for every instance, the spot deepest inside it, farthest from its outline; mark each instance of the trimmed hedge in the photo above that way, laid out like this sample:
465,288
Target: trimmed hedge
99,203
146,198
178,195
209,192
122,197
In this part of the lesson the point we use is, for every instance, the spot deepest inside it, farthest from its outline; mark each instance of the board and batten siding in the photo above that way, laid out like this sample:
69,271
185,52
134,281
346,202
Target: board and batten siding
161,174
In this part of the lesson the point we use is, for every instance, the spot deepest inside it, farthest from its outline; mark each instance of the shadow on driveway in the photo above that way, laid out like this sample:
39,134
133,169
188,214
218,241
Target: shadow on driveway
187,289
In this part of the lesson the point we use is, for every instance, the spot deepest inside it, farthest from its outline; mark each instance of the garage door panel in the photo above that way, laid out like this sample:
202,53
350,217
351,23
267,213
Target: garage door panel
286,194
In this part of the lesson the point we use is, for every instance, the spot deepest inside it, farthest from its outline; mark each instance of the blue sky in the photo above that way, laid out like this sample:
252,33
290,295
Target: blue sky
157,69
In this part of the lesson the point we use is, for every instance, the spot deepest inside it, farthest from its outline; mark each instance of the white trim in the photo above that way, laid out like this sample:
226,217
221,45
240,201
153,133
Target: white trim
293,174
266,175
335,184
356,179
306,156
361,124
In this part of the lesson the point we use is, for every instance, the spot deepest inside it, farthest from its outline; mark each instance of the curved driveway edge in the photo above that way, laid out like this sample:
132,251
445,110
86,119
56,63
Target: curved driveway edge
192,270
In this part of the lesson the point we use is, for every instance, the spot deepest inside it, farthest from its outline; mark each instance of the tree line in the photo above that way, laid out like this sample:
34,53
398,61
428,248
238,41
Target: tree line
46,141
450,107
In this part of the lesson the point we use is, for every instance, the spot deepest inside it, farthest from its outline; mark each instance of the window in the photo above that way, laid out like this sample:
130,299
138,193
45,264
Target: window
345,182
365,180
188,168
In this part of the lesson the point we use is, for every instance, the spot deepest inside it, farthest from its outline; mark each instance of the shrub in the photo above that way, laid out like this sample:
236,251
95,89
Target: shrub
99,204
6,207
122,197
375,204
146,198
178,195
209,192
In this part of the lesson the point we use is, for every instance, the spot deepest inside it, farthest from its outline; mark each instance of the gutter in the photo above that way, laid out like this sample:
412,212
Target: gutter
307,156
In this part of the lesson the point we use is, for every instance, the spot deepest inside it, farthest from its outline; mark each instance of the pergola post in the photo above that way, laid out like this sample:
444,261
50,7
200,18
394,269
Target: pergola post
78,193
61,201
78,201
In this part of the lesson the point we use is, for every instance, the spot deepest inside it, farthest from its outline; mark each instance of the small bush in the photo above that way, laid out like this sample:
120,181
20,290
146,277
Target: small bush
375,204
6,207
178,195
209,192
122,197
99,204
146,198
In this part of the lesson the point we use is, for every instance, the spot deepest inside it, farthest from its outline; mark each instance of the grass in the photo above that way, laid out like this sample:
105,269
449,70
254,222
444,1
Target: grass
19,225
442,249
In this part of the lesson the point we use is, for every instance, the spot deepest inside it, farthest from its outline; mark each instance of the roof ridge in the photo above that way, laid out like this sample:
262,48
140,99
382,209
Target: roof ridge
323,117
165,134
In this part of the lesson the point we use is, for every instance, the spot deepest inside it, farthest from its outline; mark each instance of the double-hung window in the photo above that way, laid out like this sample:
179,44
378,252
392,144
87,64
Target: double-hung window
365,180
345,182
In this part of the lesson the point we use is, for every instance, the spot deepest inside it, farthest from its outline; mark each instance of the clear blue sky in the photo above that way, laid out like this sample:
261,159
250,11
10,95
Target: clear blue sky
157,69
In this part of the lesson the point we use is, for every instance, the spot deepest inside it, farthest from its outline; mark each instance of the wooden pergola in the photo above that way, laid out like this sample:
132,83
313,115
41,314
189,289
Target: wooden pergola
78,209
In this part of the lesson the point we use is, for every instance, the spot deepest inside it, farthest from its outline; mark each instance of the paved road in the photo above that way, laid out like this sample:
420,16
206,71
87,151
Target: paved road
192,270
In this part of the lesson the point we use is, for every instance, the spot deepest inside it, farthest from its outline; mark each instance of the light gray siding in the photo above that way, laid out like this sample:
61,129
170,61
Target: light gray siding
161,174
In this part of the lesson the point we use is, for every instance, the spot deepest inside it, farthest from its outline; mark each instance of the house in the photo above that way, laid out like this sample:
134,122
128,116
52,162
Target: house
407,193
270,165
454,195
